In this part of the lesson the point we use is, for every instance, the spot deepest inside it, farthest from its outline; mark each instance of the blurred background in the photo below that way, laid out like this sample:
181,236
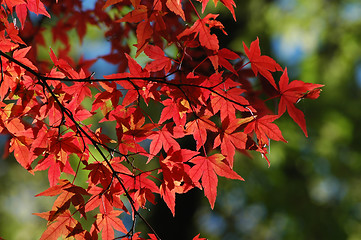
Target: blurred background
312,189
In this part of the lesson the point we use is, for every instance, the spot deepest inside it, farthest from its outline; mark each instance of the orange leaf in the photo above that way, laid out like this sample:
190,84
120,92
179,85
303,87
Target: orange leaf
59,228
176,7
22,153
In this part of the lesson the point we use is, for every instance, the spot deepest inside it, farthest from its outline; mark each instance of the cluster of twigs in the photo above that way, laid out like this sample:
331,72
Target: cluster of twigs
43,81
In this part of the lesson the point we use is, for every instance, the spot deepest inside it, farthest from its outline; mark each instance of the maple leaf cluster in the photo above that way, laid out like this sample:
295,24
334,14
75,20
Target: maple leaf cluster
204,92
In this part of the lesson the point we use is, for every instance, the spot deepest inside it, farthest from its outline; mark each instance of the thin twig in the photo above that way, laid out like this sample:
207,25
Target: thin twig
95,143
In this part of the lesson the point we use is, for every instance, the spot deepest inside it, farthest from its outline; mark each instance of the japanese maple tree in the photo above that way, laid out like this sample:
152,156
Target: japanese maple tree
204,91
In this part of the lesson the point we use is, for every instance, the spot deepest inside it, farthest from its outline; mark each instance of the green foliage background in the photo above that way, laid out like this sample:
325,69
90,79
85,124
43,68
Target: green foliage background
312,189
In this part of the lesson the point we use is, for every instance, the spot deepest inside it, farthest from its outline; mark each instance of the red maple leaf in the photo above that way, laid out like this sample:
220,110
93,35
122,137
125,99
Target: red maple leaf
265,129
79,91
107,222
140,188
63,66
106,201
137,15
164,137
34,6
228,101
6,45
59,227
230,139
221,59
12,3
224,55
69,193
175,112
22,153
292,93
160,60
56,189
144,33
42,110
52,111
202,27
56,166
102,99
175,175
198,128
228,3
176,7
20,56
260,63
207,169
198,237
57,162
42,139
